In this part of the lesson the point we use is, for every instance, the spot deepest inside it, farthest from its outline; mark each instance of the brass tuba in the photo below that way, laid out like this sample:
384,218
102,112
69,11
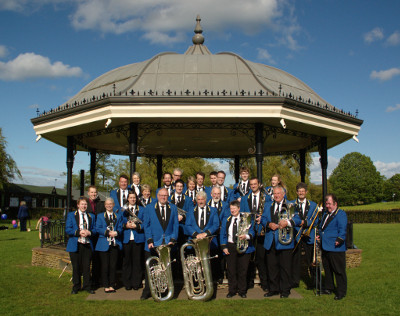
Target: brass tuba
285,235
243,229
196,268
160,274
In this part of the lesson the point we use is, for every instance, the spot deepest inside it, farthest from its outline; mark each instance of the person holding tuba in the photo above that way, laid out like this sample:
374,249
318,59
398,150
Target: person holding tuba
278,242
305,234
161,227
109,228
333,229
133,243
234,231
254,203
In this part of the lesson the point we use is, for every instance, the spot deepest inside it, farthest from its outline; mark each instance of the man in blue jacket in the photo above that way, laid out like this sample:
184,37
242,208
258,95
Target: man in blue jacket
79,228
333,228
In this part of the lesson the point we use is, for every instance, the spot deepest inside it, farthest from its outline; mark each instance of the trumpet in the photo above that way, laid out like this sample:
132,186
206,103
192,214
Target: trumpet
243,229
160,274
196,268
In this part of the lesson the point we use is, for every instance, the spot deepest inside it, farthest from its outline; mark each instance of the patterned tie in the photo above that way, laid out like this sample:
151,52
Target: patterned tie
234,230
179,199
163,216
254,203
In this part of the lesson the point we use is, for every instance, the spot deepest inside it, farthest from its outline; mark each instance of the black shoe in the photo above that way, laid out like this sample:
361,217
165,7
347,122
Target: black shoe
220,281
250,285
339,297
144,297
74,292
284,295
243,295
295,285
271,293
230,295
129,288
326,292
90,291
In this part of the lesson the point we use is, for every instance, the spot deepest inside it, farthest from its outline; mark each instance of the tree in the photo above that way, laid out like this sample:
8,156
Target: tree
355,180
392,186
8,167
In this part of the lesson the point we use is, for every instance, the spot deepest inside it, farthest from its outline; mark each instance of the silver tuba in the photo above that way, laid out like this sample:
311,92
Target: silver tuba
196,268
160,275
285,235
243,229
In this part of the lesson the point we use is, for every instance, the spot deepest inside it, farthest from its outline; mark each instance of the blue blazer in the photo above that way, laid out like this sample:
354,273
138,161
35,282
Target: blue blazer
307,217
223,237
273,235
186,204
334,230
102,230
22,212
236,192
138,233
246,205
115,195
154,231
212,220
222,208
72,230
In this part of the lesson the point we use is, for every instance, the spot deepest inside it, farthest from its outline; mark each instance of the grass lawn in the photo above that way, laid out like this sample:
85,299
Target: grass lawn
374,206
373,288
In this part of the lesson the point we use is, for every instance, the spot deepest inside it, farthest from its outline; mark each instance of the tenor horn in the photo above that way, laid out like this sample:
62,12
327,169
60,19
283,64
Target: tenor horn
159,274
196,268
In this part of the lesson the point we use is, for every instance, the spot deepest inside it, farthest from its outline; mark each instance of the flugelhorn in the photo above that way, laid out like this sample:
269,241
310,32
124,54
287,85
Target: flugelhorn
159,274
196,268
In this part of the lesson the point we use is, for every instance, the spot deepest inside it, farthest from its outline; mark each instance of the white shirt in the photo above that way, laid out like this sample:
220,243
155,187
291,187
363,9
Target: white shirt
136,189
201,210
231,238
123,195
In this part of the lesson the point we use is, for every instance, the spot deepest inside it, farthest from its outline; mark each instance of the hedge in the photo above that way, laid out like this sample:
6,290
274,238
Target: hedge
366,216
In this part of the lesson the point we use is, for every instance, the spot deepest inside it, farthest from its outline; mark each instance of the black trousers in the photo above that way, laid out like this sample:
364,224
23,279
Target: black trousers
296,262
132,264
96,265
335,264
80,261
109,261
22,224
237,265
261,262
279,263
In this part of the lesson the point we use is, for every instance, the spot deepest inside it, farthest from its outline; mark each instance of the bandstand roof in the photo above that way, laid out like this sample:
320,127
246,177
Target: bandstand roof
197,104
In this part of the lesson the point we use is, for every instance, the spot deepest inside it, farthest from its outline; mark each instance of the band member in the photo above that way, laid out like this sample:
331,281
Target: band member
120,196
307,210
161,226
225,192
95,206
146,192
200,184
242,187
275,181
333,227
177,175
109,228
213,179
167,180
236,263
136,184
223,213
254,202
278,255
133,244
191,190
79,227
202,221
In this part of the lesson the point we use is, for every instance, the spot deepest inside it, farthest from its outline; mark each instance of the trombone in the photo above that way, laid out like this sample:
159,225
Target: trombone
307,233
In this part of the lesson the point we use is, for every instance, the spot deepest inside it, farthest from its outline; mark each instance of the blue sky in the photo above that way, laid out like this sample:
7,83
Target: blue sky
347,51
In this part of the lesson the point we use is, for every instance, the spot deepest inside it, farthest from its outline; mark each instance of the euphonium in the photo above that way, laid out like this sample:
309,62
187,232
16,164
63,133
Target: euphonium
243,229
285,235
196,268
160,274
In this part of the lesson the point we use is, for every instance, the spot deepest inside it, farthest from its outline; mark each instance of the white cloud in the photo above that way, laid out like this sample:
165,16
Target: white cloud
315,168
263,54
374,35
30,65
388,169
394,39
384,75
3,51
42,177
393,108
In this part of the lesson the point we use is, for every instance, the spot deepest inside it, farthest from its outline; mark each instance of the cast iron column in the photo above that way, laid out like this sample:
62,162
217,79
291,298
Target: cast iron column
70,164
259,149
237,168
159,169
303,165
323,152
133,144
92,166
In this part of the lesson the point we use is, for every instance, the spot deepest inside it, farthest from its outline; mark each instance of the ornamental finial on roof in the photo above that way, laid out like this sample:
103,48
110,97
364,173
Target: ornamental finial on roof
198,39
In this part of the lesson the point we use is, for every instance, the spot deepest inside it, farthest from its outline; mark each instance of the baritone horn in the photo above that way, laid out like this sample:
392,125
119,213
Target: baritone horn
160,274
196,268
243,229
285,235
